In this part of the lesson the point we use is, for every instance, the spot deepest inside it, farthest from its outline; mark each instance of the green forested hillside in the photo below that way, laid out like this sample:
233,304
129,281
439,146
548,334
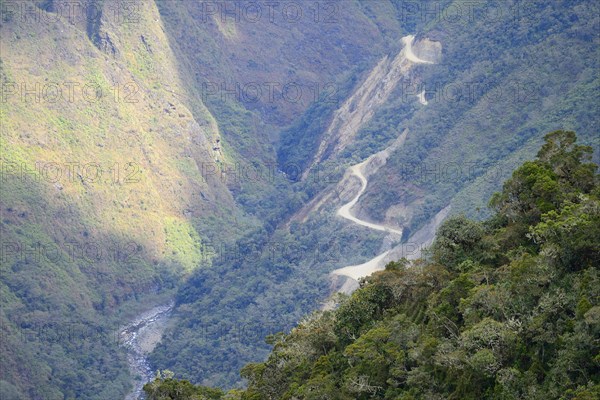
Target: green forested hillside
505,79
125,166
91,228
113,156
507,308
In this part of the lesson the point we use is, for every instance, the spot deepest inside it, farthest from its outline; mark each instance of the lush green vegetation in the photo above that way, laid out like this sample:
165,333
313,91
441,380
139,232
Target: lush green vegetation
507,308
165,387
80,256
251,271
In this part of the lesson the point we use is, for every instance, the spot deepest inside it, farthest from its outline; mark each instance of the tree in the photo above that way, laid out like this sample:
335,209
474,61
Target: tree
457,239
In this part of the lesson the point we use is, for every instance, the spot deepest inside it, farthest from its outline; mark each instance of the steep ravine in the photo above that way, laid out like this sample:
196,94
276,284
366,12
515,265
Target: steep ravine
359,108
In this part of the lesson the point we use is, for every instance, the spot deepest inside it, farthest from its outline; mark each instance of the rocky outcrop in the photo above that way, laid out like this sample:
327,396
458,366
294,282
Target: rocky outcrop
96,30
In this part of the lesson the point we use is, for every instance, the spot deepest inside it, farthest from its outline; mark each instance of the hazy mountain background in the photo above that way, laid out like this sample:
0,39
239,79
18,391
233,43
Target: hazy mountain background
161,149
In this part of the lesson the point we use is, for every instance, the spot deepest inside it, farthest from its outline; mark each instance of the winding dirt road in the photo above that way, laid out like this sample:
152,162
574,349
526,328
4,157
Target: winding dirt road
359,271
376,264
345,210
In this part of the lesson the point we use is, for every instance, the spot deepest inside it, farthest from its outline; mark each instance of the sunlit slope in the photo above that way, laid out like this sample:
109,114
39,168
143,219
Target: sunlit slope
103,193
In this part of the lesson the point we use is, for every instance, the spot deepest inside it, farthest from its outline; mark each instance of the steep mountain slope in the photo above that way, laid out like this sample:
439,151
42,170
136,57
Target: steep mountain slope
276,59
102,191
263,266
257,68
489,104
359,108
505,308
117,180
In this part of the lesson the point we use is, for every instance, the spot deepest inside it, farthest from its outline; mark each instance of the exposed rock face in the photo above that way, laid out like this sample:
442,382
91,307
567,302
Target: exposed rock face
360,107
429,50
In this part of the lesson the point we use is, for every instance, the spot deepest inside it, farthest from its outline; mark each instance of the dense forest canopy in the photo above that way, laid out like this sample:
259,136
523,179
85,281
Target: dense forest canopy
506,308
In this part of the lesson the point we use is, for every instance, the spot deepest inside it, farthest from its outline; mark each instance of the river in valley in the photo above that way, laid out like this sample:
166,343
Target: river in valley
139,338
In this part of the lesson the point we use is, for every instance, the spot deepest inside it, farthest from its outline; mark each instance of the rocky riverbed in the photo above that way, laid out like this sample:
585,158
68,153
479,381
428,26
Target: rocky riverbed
139,338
